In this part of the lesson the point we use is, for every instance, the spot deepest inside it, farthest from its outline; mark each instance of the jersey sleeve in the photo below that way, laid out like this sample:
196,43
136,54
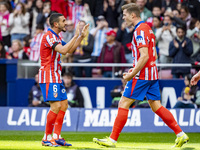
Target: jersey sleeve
141,37
63,43
50,41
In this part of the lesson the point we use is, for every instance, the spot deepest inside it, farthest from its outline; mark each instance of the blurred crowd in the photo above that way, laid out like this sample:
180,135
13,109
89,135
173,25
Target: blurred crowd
176,24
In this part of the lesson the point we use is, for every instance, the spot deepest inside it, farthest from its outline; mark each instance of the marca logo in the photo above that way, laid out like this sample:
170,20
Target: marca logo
106,118
190,121
32,118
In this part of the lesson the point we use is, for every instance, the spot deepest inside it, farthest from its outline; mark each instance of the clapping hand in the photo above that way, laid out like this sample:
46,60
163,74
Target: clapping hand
195,79
183,44
77,32
85,30
176,44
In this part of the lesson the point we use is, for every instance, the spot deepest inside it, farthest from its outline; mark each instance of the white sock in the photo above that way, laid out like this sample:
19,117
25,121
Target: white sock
47,137
60,137
55,136
112,140
180,134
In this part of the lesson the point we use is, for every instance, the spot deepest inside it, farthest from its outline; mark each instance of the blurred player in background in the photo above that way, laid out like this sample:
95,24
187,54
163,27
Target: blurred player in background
142,80
50,80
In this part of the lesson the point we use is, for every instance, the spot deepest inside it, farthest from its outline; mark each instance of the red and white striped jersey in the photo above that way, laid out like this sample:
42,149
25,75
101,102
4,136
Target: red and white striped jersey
76,12
144,37
35,47
50,70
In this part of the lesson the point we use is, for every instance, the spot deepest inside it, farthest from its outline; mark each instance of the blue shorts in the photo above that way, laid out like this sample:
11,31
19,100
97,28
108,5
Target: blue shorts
53,91
138,89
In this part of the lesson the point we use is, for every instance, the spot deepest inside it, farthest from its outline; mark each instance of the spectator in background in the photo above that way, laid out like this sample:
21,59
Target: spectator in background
2,50
26,45
74,95
181,49
175,17
60,6
156,13
111,14
44,14
164,36
188,95
152,3
96,8
87,17
76,10
99,36
125,35
83,53
193,6
120,20
156,24
144,12
186,16
35,97
36,42
19,22
112,52
4,23
117,92
67,36
168,5
17,50
29,5
33,15
194,34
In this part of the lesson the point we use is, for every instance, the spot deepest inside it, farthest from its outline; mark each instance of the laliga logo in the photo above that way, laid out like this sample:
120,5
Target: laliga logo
139,39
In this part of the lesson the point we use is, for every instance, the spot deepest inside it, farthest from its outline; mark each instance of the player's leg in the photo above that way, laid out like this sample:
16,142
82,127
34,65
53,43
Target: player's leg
121,117
49,95
50,121
153,96
135,89
119,123
59,120
168,119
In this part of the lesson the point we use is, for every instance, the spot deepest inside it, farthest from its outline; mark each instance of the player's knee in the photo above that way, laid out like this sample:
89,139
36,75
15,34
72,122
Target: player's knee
56,107
64,105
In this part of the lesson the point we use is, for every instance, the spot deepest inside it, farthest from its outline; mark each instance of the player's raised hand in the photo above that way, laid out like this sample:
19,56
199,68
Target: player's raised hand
85,30
195,79
77,32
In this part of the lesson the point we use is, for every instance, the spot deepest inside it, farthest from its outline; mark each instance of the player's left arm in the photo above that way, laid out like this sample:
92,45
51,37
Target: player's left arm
144,57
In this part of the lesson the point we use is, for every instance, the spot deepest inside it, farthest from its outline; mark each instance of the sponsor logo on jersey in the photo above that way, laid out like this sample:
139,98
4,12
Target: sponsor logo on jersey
63,90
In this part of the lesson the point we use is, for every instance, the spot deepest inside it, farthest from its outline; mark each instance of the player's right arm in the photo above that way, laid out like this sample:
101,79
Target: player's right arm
73,43
144,57
195,79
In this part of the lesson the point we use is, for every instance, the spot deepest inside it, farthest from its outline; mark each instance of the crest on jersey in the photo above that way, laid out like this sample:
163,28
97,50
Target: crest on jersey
139,39
55,94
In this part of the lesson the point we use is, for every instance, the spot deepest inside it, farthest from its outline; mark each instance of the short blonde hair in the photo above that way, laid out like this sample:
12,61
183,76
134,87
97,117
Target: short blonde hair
19,44
132,8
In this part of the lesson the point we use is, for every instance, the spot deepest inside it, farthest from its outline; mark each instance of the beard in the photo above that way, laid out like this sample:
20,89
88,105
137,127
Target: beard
63,29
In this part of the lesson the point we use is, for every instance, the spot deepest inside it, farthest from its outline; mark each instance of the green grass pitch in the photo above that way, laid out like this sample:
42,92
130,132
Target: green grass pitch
31,140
